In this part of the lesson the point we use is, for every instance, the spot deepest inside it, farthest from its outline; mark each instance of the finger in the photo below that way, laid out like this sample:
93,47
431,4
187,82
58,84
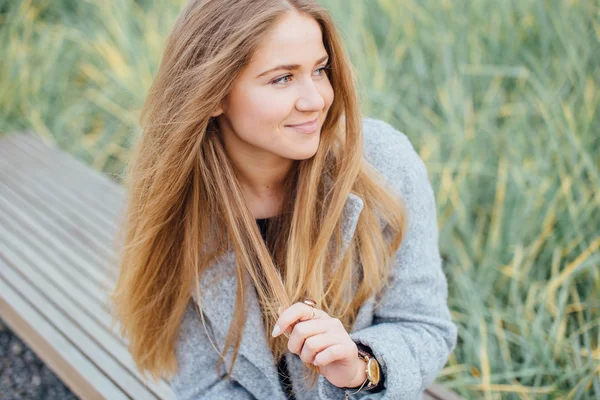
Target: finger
331,354
296,312
315,344
305,329
289,329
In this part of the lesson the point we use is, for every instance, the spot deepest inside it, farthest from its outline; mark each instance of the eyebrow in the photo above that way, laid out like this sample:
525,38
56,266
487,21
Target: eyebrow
290,67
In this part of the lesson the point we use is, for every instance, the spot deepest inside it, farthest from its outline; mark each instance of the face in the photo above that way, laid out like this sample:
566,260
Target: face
257,117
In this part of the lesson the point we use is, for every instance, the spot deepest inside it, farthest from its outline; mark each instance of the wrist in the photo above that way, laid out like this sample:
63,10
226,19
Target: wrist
360,375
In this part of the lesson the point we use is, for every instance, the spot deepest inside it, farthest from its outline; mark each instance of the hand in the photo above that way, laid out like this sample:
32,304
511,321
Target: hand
324,342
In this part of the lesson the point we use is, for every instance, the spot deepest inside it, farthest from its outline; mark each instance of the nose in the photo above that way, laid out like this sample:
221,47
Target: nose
310,98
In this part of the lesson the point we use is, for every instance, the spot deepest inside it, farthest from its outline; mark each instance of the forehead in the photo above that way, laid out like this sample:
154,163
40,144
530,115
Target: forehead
295,39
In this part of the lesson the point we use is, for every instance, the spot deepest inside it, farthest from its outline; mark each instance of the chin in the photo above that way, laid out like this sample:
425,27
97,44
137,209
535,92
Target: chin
307,157
303,155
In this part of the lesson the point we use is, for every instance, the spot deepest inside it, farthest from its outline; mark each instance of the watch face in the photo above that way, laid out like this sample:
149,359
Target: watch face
373,368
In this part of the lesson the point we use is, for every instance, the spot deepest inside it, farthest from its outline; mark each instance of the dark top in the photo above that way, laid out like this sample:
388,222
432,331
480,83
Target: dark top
284,378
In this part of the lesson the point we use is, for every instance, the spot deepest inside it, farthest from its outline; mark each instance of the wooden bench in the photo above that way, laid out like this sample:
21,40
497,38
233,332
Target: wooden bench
58,218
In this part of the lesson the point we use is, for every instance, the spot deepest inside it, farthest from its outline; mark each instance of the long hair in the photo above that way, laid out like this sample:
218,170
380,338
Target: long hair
185,208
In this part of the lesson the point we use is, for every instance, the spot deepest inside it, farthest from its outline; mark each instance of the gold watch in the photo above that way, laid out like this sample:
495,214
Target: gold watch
372,371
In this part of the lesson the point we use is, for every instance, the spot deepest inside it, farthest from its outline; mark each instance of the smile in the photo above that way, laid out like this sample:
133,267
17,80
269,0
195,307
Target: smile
307,127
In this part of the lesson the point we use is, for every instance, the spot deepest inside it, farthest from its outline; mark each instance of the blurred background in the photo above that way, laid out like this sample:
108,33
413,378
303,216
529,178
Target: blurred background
500,98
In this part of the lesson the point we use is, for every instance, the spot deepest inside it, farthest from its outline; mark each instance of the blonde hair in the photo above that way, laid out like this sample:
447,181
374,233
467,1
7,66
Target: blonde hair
184,206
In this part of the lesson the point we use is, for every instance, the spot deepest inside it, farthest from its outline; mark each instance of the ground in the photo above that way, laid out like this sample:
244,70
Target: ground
23,376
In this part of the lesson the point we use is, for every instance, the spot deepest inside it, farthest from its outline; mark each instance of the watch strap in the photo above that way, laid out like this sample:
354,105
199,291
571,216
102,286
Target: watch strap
381,384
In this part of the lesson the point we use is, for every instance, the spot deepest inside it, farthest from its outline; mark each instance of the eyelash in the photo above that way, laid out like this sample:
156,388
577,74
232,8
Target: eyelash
278,80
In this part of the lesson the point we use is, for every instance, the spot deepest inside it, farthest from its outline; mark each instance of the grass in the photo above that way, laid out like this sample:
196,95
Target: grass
501,100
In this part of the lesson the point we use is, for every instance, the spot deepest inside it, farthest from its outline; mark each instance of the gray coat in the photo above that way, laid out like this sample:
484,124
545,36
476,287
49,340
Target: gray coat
410,333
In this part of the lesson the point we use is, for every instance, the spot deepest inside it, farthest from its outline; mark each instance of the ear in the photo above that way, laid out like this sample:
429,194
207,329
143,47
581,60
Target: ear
220,110
217,112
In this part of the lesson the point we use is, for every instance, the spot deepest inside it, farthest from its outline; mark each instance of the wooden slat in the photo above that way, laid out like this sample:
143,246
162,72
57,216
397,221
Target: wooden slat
61,200
32,144
40,163
71,366
67,324
87,296
39,168
82,313
85,293
438,392
9,202
45,226
42,183
64,220
45,173
59,207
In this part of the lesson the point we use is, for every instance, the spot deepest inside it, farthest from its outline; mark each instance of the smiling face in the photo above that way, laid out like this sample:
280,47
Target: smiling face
265,101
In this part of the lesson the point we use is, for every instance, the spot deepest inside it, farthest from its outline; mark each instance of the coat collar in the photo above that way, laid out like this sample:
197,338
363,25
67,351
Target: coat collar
217,296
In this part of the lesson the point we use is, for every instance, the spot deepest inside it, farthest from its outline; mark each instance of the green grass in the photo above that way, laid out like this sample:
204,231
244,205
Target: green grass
502,101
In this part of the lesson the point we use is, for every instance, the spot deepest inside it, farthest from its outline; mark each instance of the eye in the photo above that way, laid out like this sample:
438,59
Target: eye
323,68
283,81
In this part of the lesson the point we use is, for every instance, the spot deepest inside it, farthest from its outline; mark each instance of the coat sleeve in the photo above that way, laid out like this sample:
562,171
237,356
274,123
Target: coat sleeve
196,378
412,334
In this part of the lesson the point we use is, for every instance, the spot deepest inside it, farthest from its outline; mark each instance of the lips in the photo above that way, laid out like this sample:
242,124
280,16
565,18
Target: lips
307,127
308,123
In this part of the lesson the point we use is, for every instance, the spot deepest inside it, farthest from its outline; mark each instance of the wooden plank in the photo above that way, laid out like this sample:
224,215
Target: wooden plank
438,392
85,314
427,396
62,248
62,213
65,221
65,359
65,170
20,234
78,183
27,194
43,183
81,235
84,293
39,254
33,145
102,240
71,330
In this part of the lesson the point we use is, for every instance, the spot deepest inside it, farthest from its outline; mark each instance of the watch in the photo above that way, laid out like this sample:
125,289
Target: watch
372,371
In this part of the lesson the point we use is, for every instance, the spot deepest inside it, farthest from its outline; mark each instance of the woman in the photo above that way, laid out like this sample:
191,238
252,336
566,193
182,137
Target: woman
253,126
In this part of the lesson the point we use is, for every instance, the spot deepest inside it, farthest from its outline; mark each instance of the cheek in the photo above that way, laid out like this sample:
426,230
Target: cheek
258,109
327,94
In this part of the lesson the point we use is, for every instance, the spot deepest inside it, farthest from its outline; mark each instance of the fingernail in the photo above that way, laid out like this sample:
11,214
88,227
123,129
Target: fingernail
276,331
315,363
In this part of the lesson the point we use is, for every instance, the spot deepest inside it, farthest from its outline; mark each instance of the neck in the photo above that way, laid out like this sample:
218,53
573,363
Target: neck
260,172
